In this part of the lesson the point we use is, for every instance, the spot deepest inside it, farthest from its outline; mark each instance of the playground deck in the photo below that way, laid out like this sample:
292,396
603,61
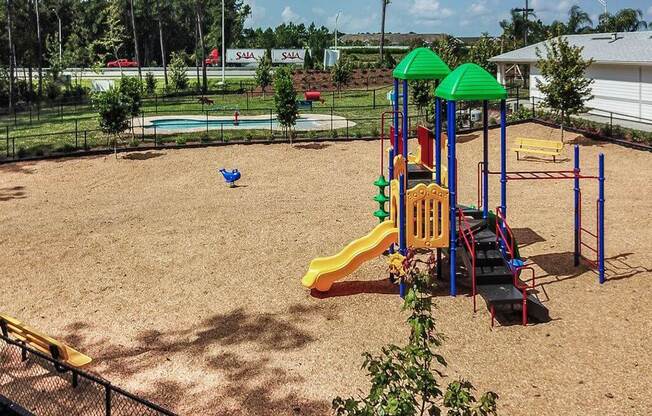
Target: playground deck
188,292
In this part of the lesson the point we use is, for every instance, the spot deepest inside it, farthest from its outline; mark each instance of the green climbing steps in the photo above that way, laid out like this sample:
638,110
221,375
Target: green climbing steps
381,183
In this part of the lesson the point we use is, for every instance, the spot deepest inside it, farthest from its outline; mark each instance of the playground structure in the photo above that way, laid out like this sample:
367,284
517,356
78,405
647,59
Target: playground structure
424,212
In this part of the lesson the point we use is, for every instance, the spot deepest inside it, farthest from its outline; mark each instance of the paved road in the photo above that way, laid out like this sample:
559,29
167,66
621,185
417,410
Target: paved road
109,73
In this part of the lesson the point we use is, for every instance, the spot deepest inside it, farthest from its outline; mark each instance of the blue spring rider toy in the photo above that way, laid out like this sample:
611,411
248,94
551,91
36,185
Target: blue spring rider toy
230,177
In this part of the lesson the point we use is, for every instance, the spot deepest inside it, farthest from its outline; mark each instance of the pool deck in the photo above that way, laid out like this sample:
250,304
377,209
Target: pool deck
322,121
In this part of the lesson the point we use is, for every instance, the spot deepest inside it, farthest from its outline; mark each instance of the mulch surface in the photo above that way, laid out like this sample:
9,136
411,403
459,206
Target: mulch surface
189,293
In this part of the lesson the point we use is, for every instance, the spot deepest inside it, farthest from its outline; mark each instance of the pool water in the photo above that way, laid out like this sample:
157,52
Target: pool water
183,124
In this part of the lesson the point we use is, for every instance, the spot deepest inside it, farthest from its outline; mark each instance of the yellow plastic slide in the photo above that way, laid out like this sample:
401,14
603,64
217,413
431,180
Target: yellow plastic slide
324,271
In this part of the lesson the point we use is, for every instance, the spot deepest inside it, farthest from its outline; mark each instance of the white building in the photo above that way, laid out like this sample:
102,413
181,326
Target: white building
622,71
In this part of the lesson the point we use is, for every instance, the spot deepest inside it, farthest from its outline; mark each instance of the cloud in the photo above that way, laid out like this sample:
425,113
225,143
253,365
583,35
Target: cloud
429,10
258,13
349,23
479,8
288,15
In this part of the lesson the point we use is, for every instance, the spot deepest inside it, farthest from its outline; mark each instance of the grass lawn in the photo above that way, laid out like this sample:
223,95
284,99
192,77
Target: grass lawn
67,128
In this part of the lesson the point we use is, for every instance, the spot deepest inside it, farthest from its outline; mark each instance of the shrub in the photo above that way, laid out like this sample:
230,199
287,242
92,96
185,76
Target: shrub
358,134
374,132
493,121
134,142
205,138
113,110
334,134
178,71
181,141
249,136
132,88
150,83
405,380
21,152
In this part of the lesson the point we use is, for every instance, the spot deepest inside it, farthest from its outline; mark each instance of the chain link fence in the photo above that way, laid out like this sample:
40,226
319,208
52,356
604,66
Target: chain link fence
37,384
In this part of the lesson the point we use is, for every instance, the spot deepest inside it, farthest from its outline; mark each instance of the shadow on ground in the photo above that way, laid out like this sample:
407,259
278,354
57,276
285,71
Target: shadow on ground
14,192
236,347
312,146
143,156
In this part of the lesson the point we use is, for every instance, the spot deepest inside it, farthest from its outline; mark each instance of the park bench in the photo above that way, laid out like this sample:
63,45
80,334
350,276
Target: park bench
538,147
16,330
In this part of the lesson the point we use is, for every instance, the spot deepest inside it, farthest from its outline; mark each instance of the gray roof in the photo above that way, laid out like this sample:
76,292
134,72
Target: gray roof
630,48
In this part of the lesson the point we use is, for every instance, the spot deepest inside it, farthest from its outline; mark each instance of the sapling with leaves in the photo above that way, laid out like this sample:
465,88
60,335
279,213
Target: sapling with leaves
406,380
565,87
113,109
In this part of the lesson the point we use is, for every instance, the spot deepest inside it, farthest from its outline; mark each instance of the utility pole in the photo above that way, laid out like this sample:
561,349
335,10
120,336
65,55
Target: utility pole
526,13
223,46
604,4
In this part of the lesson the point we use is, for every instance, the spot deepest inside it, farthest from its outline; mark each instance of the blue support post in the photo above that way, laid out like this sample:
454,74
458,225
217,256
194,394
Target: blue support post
438,140
576,191
438,168
402,233
485,159
503,157
396,127
405,119
601,200
452,172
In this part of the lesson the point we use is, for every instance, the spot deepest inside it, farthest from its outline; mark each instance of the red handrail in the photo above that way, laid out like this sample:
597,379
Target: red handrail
469,241
500,234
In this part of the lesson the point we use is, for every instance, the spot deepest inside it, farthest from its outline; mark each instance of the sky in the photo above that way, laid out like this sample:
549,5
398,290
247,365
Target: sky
456,17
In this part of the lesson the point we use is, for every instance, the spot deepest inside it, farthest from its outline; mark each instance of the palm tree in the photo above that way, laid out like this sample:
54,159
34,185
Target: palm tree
133,27
383,7
578,21
626,20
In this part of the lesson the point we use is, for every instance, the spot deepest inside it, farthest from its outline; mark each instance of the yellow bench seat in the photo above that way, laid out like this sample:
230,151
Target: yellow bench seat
43,343
538,147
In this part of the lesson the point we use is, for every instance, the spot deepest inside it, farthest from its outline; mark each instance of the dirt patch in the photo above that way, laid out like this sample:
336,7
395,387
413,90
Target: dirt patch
189,293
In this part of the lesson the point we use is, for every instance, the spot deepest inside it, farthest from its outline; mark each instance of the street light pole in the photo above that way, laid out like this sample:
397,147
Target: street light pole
337,18
604,4
223,45
56,13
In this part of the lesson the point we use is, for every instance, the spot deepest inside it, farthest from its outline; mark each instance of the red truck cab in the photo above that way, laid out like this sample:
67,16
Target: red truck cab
122,63
213,58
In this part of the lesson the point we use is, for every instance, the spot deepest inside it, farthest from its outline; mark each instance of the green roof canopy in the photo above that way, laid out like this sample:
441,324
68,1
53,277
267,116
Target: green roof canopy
421,63
470,82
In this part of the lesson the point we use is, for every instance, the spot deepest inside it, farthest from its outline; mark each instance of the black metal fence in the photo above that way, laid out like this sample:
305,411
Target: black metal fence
42,386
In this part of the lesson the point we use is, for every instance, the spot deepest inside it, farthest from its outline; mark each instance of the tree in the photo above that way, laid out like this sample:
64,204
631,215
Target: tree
449,50
200,6
133,26
626,20
150,84
566,88
406,380
579,21
341,73
178,71
483,50
264,74
383,14
11,54
113,109
114,36
160,34
422,97
39,48
285,99
132,89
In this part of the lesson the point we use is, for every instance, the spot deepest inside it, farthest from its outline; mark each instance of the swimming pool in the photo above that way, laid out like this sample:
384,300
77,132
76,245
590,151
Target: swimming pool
192,124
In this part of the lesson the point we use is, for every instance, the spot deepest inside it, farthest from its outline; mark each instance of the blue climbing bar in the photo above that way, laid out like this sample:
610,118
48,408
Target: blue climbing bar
405,119
402,229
